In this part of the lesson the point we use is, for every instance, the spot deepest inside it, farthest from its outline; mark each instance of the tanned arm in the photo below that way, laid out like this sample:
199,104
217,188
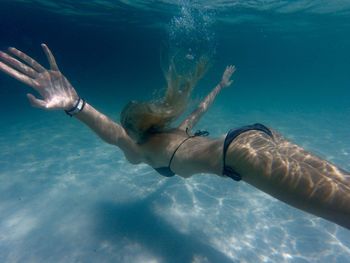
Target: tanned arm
57,93
195,116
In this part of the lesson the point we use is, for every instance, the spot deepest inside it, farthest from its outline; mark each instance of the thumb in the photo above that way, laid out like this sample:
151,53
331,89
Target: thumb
36,102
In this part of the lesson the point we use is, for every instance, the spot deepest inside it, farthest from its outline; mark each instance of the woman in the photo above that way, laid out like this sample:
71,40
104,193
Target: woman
255,154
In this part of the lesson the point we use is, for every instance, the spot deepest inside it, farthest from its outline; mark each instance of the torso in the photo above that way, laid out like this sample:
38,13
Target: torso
196,155
276,167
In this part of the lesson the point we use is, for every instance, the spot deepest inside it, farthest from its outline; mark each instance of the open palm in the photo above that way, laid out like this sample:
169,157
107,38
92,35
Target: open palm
226,77
55,90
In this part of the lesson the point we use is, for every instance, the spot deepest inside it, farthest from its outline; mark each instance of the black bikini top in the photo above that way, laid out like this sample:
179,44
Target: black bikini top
166,170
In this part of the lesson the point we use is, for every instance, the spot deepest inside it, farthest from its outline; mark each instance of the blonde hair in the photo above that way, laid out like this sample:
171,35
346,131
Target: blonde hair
141,119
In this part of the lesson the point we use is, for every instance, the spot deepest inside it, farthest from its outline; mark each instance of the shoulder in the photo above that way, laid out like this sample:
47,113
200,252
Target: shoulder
131,149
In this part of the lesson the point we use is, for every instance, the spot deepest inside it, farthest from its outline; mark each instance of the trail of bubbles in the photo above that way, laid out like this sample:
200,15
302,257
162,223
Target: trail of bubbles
191,35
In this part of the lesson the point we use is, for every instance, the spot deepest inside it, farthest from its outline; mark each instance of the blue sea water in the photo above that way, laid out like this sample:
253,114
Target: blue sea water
65,196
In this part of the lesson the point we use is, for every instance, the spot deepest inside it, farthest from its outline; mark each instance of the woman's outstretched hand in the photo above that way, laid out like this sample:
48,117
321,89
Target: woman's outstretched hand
54,88
226,77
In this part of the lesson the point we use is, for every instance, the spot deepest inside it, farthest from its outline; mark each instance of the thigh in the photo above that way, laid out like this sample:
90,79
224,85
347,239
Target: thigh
291,151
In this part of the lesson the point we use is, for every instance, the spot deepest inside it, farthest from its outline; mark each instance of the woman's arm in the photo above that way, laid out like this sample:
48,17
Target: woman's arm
110,132
195,116
58,93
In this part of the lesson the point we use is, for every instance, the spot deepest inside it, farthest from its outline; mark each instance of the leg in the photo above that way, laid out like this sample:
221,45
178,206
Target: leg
291,174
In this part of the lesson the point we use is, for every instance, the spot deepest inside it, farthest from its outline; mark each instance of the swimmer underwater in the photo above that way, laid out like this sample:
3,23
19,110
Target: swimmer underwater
255,154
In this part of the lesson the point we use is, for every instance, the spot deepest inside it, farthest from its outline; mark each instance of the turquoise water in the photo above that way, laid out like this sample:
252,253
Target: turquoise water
67,197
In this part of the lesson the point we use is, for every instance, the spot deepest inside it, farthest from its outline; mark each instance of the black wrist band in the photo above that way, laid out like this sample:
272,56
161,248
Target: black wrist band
78,107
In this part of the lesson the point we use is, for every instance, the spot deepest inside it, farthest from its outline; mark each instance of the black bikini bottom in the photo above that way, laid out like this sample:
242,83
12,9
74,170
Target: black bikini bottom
231,135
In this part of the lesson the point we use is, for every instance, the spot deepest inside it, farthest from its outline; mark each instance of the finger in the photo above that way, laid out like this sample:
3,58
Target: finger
231,68
31,62
36,102
18,65
50,57
19,76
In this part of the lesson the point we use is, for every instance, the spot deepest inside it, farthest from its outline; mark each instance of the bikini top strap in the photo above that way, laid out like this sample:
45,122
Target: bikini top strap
197,133
172,156
201,133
